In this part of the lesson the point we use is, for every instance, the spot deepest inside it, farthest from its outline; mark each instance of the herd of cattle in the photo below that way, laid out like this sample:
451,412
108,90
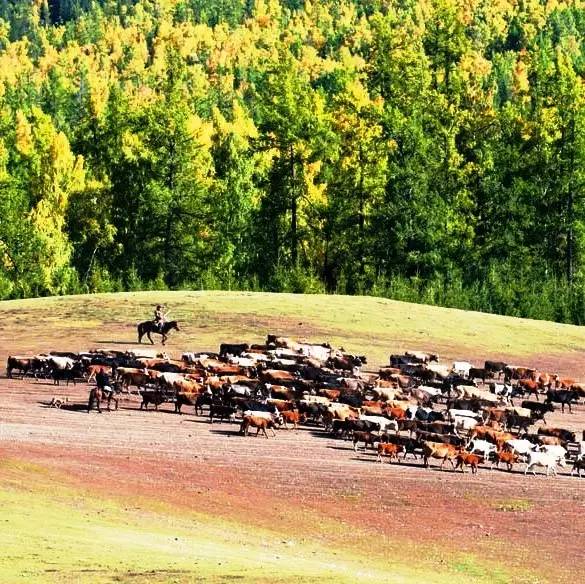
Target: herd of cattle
416,406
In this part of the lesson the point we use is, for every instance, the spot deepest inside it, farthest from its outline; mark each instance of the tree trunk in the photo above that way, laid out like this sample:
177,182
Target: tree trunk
293,220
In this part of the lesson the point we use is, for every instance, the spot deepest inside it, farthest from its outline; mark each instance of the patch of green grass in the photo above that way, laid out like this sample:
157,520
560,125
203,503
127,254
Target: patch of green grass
513,506
51,532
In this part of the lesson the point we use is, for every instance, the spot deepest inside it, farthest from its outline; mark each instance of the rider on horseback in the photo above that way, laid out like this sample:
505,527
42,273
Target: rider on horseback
160,316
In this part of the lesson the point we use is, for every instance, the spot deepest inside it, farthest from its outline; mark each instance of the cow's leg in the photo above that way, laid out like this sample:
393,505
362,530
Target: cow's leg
273,433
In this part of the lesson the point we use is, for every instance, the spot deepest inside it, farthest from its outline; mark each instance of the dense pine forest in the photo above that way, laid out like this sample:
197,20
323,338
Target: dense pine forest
424,150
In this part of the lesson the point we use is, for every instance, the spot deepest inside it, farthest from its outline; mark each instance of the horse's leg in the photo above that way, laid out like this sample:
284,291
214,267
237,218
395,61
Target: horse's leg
150,338
164,339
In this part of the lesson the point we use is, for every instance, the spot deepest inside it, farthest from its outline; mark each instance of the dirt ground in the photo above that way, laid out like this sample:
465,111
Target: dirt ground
300,479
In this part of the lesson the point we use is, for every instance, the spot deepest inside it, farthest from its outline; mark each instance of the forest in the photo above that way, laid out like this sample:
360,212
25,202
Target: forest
424,150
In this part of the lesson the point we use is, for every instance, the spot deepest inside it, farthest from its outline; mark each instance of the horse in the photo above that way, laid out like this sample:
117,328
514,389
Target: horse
96,394
148,326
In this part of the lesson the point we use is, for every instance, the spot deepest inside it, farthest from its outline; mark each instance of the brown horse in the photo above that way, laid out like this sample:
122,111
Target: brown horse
149,326
97,395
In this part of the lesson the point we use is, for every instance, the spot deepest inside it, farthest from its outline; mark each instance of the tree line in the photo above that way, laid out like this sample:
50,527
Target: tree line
424,150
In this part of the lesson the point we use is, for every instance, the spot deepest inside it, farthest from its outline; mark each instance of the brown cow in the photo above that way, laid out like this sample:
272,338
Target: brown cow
276,377
261,424
365,437
93,370
396,413
564,383
390,450
530,386
468,459
293,417
331,394
438,450
132,376
505,456
282,405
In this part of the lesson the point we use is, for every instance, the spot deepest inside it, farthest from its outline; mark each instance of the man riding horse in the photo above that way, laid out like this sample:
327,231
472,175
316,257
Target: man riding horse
159,325
160,316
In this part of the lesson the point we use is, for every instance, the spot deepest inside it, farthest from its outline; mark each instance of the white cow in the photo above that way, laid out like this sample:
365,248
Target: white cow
555,450
61,362
520,446
482,447
464,423
432,391
461,368
463,414
544,459
384,423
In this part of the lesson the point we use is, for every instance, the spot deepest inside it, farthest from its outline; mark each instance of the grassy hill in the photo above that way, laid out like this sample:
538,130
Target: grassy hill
372,326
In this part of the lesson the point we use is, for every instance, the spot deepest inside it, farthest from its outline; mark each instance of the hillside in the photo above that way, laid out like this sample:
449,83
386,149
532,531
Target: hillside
364,325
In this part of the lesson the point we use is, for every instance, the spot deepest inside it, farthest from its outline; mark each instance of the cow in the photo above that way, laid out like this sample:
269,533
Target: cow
545,460
519,446
440,438
483,447
68,374
150,396
467,459
561,433
277,377
504,390
235,349
390,450
421,357
461,368
396,413
183,398
222,412
261,425
477,373
438,427
509,458
537,409
495,367
132,376
438,450
22,364
293,417
366,438
384,423
563,397
578,465
554,449
523,423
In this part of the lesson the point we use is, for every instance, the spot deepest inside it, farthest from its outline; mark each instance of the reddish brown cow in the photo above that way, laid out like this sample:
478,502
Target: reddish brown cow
468,459
505,456
261,425
331,394
389,450
293,417
530,386
564,383
396,413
